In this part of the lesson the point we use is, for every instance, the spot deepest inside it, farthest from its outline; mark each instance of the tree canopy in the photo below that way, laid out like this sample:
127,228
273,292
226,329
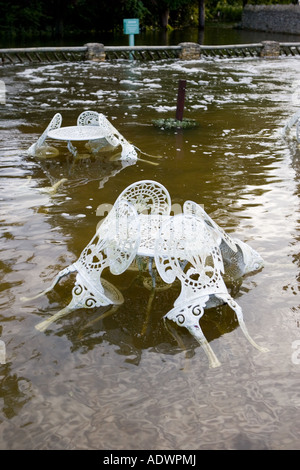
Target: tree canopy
57,17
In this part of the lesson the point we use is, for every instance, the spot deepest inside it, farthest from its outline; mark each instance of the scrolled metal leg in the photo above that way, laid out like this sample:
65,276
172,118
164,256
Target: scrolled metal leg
188,316
83,298
197,333
72,149
239,313
151,271
46,323
61,274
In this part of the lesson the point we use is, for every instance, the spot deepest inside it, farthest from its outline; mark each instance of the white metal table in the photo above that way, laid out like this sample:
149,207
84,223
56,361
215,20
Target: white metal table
77,133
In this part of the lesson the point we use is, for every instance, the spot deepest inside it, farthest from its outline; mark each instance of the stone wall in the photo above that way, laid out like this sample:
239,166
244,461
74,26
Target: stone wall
189,51
272,18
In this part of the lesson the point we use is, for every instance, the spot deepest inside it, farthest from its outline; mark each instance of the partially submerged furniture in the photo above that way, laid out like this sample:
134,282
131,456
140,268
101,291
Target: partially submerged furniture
189,247
91,127
294,120
113,246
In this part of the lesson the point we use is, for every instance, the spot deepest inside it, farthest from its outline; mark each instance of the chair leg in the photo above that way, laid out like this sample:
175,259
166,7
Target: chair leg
72,149
84,297
148,311
61,274
197,333
42,326
106,314
239,313
188,316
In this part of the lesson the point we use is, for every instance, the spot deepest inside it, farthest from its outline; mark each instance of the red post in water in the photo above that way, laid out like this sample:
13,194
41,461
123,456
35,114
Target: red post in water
180,99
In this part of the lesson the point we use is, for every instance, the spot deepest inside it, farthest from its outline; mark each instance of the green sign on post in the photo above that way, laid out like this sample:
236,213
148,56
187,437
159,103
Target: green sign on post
131,26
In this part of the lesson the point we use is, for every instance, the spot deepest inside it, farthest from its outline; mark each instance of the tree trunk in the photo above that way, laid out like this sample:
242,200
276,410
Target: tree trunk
201,14
59,28
59,10
164,18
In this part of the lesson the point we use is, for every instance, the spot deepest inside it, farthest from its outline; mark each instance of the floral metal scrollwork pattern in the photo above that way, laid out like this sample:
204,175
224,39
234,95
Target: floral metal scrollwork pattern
187,248
114,138
148,197
238,257
88,118
113,246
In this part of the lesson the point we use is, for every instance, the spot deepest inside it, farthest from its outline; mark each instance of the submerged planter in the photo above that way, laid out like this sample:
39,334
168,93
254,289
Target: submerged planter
179,122
171,123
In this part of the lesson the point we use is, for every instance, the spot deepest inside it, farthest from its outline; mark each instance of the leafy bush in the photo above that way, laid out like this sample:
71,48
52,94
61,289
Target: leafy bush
230,13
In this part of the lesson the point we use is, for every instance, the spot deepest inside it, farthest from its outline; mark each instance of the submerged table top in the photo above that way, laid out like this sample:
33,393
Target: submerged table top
77,133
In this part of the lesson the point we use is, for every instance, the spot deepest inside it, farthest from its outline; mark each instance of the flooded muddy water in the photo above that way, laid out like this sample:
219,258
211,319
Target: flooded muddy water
123,381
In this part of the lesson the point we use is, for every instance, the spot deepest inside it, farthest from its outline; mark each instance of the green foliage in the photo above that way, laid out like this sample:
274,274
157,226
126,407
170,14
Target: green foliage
226,12
21,15
185,16
56,17
269,2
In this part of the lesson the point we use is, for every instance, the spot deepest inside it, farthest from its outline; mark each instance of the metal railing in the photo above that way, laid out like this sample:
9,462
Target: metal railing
142,52
41,54
290,48
75,54
228,51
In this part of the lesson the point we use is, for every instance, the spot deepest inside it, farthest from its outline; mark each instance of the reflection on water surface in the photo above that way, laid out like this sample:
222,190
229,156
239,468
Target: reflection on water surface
123,381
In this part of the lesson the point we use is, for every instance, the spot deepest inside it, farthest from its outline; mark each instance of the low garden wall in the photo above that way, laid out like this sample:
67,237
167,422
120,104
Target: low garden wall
272,18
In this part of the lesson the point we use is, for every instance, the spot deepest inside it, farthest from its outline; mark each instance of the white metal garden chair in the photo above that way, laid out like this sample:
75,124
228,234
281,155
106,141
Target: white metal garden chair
147,197
91,118
113,246
294,119
188,249
55,123
238,257
152,201
113,138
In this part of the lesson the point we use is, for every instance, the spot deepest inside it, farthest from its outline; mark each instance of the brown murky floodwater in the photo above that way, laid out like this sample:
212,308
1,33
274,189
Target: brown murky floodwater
123,381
